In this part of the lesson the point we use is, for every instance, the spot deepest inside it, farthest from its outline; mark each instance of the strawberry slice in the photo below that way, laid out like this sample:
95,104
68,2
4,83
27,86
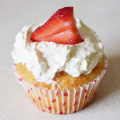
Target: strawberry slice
60,28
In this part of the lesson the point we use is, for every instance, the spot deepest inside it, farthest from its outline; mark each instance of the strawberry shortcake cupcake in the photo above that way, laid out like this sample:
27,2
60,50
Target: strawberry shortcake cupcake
60,63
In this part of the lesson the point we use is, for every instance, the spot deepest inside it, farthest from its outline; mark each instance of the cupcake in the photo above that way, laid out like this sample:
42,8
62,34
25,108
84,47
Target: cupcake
60,63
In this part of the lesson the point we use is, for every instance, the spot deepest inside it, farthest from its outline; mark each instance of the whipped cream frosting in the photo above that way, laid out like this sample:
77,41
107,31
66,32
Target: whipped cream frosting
45,59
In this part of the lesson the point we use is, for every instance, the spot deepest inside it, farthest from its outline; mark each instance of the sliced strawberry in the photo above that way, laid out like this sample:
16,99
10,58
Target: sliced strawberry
60,28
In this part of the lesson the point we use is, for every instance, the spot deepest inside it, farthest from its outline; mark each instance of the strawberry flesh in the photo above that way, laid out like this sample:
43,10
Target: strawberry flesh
60,28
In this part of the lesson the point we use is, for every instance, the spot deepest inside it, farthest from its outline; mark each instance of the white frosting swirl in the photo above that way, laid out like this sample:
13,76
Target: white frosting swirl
44,59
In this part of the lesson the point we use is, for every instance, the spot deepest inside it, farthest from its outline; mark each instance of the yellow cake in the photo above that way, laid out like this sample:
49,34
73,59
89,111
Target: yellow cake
63,79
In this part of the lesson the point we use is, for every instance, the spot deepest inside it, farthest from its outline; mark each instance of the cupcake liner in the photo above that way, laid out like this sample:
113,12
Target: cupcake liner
61,101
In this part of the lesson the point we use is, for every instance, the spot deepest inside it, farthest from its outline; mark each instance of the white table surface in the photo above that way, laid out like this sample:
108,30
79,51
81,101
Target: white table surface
103,16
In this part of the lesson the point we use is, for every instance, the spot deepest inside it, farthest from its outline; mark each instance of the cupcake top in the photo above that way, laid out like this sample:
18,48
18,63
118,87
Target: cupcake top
47,57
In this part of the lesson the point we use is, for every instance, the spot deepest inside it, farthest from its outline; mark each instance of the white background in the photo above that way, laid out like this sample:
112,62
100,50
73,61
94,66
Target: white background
103,16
